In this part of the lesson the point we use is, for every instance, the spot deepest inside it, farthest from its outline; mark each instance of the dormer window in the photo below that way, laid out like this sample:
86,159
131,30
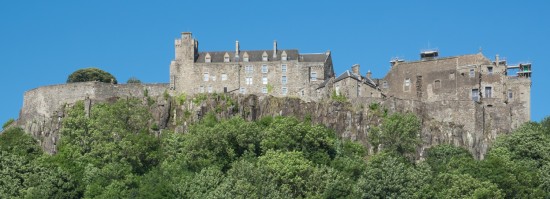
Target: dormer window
207,58
226,58
245,57
284,57
264,56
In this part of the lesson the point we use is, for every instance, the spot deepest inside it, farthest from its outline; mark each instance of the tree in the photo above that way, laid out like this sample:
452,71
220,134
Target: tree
399,132
91,74
464,186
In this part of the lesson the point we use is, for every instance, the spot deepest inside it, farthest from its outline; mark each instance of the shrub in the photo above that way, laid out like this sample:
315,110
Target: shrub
133,80
8,123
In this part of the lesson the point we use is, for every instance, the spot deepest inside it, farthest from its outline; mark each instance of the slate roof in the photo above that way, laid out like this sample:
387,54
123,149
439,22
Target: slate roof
256,55
348,74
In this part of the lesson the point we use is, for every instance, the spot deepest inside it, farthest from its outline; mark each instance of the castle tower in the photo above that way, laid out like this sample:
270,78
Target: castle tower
186,51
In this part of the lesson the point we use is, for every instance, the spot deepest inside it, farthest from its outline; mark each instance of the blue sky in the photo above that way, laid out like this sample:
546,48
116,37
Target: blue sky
42,42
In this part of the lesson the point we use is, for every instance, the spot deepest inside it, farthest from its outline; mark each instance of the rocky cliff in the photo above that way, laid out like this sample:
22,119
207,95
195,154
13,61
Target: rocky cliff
45,107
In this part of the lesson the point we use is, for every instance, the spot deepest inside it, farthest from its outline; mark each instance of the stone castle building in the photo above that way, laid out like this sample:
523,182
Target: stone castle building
465,100
263,72
471,79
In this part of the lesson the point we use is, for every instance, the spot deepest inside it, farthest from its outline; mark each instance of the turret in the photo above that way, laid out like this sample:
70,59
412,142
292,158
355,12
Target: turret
186,48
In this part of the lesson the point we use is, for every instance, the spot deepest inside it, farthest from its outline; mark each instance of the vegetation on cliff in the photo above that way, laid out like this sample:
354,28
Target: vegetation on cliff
91,74
115,152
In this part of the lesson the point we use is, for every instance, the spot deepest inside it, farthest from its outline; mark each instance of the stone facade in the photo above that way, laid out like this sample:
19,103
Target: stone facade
261,72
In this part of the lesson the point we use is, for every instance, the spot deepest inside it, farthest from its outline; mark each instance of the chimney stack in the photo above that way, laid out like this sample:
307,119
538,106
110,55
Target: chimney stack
237,48
274,49
369,74
355,69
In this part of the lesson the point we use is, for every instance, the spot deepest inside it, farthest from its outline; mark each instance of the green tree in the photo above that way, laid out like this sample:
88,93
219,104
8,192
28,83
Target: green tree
399,132
464,186
91,74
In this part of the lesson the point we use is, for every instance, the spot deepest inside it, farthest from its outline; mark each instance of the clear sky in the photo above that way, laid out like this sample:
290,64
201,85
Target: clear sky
42,42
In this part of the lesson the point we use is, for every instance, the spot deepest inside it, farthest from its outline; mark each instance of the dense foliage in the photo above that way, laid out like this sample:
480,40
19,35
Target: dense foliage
115,153
91,74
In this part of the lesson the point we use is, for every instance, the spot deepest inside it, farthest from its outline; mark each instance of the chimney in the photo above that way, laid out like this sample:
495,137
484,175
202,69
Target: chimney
497,60
237,48
429,55
355,69
274,49
369,74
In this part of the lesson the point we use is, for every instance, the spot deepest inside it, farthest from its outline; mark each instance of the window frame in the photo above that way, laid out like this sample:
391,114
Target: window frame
313,76
205,76
265,68
284,80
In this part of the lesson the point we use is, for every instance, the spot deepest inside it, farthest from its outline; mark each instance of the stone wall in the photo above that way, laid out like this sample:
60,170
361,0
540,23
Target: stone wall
44,107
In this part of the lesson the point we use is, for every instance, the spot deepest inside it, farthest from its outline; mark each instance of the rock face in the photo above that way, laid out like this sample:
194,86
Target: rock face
45,107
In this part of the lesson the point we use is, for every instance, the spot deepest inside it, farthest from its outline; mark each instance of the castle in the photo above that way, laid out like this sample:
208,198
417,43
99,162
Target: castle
463,100
458,79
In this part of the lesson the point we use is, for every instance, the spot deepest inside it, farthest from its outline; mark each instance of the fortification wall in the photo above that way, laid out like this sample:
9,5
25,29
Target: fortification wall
44,107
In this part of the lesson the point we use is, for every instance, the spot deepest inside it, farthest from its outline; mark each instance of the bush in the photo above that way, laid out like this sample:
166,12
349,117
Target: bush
91,74
133,80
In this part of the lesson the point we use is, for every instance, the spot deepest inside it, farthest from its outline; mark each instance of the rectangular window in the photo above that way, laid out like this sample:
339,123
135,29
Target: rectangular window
488,92
264,79
452,76
490,70
407,82
264,68
245,59
226,59
313,76
283,68
284,58
209,89
249,69
284,91
242,90
385,84
213,78
264,58
264,90
472,73
510,94
249,81
205,77
283,80
475,94
201,89
224,77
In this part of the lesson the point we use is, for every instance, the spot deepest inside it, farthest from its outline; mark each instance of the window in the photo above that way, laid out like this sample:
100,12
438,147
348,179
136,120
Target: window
510,94
384,84
205,77
284,91
201,89
249,81
242,90
207,59
302,93
245,59
472,73
452,76
264,57
226,58
407,84
264,68
249,69
283,80
337,90
264,79
284,58
224,76
213,78
209,89
488,92
264,90
283,68
490,70
313,76
475,94
437,83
